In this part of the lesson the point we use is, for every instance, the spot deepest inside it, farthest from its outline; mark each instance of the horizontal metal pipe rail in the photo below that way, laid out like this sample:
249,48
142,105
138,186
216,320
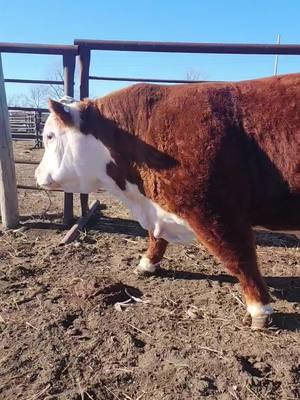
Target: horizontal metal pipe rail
34,81
26,162
30,187
12,108
85,46
35,48
189,47
24,136
152,80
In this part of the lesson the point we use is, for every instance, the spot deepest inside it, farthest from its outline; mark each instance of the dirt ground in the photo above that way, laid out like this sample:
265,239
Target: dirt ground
65,335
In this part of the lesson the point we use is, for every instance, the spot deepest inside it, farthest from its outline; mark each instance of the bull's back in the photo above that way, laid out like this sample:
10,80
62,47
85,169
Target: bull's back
270,113
236,144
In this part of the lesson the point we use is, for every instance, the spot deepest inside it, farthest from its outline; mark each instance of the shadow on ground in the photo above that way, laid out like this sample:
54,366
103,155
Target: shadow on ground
103,224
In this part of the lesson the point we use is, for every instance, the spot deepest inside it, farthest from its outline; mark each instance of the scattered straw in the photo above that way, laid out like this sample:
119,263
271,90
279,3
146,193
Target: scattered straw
31,326
237,299
81,391
234,395
139,330
136,299
89,396
111,392
120,305
254,394
39,394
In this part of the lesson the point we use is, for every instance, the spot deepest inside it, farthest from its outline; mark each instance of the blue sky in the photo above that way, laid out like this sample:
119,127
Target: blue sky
231,21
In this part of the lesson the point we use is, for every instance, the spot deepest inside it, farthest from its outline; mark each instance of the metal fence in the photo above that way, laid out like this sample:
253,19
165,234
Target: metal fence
86,46
68,53
27,123
83,48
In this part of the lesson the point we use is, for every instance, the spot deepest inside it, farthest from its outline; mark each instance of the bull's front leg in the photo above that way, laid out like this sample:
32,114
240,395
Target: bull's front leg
151,259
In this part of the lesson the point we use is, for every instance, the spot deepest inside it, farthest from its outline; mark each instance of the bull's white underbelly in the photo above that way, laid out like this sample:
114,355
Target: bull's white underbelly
152,217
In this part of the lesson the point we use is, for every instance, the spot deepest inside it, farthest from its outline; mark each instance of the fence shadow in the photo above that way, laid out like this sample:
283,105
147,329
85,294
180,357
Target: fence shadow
102,224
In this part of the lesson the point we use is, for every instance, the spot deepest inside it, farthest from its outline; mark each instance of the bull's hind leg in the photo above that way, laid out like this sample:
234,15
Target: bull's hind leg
233,244
155,252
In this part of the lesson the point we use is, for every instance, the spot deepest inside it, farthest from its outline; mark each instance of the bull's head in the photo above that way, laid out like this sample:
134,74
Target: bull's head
72,160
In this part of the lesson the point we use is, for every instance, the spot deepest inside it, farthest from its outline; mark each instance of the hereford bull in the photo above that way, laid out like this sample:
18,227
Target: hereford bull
205,161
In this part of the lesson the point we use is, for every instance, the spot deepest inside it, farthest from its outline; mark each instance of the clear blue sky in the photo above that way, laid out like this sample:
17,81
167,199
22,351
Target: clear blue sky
61,21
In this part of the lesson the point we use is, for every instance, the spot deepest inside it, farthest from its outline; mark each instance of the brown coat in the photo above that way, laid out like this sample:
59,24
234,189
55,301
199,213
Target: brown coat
224,157
231,149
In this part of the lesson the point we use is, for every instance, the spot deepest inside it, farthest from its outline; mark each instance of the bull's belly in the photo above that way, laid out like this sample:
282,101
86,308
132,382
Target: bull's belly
163,224
154,218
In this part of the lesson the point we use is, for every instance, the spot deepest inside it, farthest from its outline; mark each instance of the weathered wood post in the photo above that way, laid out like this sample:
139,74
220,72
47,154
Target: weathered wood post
84,65
8,188
69,69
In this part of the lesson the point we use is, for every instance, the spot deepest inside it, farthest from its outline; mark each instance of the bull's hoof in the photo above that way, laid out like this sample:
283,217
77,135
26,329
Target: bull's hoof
146,268
257,322
260,322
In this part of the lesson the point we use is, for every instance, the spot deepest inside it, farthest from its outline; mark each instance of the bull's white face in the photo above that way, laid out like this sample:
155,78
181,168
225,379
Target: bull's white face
73,161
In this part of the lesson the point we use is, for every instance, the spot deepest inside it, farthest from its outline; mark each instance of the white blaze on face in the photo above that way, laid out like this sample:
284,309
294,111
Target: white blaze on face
72,160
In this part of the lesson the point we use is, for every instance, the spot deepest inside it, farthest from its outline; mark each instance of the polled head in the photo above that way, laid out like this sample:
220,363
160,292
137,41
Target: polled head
71,160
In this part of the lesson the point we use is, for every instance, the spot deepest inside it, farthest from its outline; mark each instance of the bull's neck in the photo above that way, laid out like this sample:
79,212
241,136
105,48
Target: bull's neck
119,132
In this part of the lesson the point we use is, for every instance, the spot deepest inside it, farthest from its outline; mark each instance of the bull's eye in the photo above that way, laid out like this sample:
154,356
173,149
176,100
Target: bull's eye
50,136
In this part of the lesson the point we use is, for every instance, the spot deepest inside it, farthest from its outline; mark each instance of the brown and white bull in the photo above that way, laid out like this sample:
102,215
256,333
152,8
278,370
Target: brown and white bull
205,161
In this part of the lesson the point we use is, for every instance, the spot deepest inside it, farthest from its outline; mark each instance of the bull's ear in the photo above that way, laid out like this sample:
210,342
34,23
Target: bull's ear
62,111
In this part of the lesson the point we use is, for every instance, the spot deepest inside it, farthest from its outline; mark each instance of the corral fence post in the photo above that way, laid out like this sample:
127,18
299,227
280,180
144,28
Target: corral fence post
69,70
84,66
8,187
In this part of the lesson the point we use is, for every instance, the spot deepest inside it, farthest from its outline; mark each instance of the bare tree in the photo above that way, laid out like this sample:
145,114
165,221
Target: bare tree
56,91
194,75
38,95
16,100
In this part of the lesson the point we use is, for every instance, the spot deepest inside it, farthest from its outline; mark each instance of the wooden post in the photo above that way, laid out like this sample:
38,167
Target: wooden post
84,64
73,233
69,69
8,188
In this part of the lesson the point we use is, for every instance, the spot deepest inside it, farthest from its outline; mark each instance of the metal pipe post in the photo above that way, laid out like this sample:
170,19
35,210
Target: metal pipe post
8,189
69,70
84,65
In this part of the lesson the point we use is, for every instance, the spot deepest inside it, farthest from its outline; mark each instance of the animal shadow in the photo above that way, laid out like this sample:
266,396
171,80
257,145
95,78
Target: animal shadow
275,239
286,321
285,288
